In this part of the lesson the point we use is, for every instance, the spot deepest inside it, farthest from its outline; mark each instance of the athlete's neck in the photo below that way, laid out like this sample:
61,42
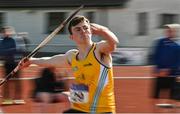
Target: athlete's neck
84,50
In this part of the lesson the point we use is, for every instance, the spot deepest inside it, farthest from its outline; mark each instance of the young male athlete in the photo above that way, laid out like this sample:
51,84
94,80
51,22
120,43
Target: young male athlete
91,63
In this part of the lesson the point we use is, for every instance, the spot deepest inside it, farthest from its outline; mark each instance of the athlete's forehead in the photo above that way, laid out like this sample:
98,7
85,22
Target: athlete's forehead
81,24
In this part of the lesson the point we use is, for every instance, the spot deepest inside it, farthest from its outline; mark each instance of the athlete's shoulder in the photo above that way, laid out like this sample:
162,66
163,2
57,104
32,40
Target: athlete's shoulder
70,54
72,51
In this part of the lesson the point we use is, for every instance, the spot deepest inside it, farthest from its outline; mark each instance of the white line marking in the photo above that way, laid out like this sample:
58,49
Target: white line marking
70,78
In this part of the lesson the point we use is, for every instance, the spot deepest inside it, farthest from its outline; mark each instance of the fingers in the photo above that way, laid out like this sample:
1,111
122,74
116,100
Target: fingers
97,28
24,63
93,24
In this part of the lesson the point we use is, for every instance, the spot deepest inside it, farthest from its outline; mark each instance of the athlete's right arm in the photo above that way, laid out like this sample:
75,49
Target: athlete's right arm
60,60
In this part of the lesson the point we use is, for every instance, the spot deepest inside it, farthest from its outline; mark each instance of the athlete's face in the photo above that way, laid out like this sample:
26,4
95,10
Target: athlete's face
81,32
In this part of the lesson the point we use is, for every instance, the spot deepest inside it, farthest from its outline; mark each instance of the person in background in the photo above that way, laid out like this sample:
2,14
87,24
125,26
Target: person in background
8,52
166,58
23,42
46,90
91,64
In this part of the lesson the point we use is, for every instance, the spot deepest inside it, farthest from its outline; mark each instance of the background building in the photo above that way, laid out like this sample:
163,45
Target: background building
137,23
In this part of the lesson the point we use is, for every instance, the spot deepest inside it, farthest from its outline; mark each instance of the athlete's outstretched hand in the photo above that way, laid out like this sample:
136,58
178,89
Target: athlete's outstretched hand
24,63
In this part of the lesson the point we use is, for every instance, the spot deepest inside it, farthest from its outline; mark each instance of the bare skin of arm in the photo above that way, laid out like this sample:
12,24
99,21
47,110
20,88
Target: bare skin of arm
61,60
105,47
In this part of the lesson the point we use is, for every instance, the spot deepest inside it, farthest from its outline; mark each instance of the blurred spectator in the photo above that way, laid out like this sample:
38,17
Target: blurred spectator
23,41
8,52
21,50
47,90
166,58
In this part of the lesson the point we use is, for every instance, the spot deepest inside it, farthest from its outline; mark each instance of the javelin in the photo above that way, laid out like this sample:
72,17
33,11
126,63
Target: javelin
43,43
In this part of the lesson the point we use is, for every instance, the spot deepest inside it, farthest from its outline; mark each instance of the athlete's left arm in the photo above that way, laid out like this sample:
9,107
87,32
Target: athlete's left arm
110,41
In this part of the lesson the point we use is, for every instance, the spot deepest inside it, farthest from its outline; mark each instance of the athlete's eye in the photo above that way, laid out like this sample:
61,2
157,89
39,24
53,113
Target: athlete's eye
85,27
77,29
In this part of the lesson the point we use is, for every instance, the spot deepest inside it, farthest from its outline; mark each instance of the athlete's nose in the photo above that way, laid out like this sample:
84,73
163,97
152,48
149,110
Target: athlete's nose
83,30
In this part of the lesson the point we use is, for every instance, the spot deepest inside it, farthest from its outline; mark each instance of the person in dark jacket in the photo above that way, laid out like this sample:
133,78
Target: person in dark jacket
8,52
166,59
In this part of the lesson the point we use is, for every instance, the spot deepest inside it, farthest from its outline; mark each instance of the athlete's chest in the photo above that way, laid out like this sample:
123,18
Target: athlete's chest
86,70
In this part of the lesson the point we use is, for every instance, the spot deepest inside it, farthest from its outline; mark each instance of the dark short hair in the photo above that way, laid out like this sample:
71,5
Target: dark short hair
76,20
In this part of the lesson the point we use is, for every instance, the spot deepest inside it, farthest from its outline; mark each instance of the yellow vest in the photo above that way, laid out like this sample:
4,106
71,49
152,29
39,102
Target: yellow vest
98,81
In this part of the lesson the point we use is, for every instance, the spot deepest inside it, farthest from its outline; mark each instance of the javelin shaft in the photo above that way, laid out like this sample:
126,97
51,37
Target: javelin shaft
44,42
48,38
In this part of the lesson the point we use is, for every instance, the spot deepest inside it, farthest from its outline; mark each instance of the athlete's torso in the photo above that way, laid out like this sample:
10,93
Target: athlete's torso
93,89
